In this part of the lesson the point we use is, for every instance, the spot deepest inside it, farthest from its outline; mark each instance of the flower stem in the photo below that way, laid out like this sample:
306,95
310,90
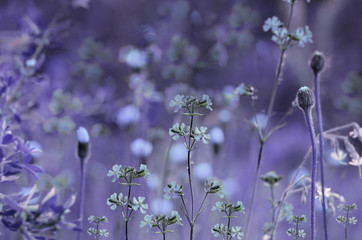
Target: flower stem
190,178
254,187
308,119
81,196
321,149
128,216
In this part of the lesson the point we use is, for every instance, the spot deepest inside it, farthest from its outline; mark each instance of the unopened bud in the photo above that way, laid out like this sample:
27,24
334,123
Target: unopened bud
317,62
83,143
305,98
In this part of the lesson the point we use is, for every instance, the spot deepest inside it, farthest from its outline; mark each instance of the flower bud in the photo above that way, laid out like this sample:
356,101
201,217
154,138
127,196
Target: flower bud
317,62
83,143
305,98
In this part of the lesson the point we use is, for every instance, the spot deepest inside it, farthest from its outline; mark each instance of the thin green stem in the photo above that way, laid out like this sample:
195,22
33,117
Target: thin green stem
273,200
227,232
254,187
190,177
308,118
127,209
346,226
81,196
202,203
321,149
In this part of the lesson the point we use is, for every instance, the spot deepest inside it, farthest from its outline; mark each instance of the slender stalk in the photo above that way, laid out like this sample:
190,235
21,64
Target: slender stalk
346,227
273,200
190,178
308,118
202,203
321,149
254,188
128,215
81,197
227,237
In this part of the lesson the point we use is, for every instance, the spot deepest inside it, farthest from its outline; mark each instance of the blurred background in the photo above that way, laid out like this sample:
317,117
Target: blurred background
113,66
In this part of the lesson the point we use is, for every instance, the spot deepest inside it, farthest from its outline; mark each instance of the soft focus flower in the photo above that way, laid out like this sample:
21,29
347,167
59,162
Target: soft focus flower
272,24
82,135
178,153
230,187
115,173
208,101
128,115
133,57
217,135
148,223
217,207
36,150
178,130
141,148
201,134
172,190
154,181
177,103
203,171
178,217
161,206
218,229
260,120
236,232
139,204
225,115
116,200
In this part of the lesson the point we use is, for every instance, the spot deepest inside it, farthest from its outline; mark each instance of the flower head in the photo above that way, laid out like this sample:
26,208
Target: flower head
139,204
177,103
201,134
115,173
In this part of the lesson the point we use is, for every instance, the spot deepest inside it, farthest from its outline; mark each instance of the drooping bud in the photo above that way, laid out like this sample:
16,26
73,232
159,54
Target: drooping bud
317,62
305,98
83,143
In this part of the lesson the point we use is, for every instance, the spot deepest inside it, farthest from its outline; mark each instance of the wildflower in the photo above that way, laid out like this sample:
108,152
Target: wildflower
272,24
177,103
133,57
172,190
236,232
280,36
304,36
217,135
178,153
219,207
128,115
115,200
271,178
115,172
201,134
177,216
141,148
218,229
206,102
139,204
178,130
161,206
143,172
212,186
148,222
239,207
203,171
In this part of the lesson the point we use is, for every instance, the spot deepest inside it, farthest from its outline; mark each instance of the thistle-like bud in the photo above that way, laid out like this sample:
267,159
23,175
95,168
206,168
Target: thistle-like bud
305,98
317,62
83,143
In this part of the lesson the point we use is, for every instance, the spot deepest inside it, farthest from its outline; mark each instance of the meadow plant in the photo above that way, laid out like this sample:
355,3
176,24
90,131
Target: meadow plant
317,64
191,135
161,222
346,220
228,209
296,231
126,176
96,231
284,37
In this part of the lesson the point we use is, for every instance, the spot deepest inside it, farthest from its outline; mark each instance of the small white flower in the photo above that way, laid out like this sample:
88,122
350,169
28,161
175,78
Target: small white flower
201,134
203,171
178,217
82,135
217,135
139,204
141,148
236,232
115,173
133,57
128,115
148,222
177,103
272,24
161,206
178,152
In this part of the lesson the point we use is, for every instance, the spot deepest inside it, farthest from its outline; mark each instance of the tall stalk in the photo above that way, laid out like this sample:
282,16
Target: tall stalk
306,102
317,64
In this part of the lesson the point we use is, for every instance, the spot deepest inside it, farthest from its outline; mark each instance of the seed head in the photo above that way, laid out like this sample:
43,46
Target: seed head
305,98
83,143
317,62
